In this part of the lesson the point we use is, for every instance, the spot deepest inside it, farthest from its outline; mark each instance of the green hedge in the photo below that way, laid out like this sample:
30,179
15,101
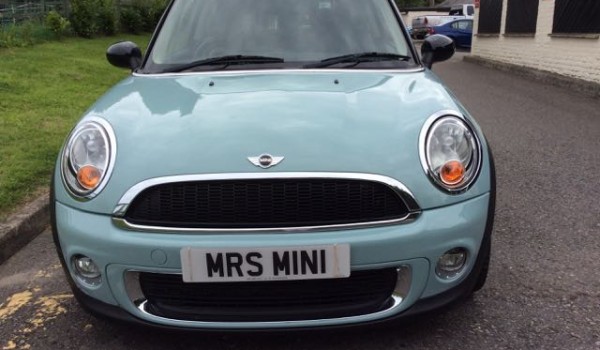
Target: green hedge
25,34
93,17
87,19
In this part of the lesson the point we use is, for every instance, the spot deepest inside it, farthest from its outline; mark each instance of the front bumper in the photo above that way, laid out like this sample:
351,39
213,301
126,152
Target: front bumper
417,244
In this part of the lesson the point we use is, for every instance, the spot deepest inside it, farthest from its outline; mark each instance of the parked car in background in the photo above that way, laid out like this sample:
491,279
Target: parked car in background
460,31
302,168
463,10
422,25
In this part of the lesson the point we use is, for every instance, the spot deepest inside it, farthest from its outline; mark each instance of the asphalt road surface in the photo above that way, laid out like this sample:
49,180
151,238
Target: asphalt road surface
544,285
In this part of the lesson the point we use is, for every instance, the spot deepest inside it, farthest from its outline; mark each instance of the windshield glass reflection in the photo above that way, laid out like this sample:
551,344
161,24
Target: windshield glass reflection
295,31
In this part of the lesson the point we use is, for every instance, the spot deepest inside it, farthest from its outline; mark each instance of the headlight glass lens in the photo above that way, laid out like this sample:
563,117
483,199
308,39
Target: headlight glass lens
86,158
452,153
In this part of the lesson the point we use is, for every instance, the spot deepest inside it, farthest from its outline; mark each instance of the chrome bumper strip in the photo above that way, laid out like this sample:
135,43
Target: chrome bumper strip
136,296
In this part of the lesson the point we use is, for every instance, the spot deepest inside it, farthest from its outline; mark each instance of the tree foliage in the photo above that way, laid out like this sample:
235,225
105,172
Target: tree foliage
107,17
83,18
57,24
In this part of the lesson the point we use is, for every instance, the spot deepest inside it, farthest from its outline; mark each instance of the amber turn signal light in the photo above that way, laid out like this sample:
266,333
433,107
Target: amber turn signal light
89,177
452,173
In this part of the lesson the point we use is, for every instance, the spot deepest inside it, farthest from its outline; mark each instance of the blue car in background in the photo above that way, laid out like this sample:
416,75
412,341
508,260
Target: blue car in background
460,31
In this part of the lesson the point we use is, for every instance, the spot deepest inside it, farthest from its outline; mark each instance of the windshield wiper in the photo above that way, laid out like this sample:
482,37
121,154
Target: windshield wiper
358,58
224,60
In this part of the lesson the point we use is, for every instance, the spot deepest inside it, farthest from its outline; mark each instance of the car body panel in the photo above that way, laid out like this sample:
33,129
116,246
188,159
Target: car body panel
351,119
417,244
191,127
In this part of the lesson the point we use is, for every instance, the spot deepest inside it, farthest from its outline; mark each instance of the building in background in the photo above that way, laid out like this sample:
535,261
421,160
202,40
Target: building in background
554,39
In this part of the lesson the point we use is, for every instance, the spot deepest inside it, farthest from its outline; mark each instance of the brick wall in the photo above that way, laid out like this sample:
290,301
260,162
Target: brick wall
569,56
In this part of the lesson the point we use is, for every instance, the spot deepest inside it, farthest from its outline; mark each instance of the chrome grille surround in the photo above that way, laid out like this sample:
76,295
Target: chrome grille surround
140,303
399,189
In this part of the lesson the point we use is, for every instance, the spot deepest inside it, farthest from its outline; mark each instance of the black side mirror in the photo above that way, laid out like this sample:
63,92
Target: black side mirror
436,48
124,54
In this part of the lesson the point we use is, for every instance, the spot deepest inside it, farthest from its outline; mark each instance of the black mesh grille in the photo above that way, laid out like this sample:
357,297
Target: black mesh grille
364,292
265,203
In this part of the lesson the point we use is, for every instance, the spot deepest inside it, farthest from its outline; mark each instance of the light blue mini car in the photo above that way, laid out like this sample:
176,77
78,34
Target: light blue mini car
275,164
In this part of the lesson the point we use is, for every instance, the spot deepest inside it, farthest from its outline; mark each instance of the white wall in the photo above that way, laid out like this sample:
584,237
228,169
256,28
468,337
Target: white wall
572,57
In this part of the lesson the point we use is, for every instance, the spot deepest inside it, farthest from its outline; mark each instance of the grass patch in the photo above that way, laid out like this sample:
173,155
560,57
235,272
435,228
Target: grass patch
44,90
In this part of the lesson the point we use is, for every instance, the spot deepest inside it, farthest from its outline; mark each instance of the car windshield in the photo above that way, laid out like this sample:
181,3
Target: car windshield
265,34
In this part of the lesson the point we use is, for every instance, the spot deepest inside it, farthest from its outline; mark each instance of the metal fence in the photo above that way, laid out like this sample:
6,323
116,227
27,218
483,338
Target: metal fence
13,12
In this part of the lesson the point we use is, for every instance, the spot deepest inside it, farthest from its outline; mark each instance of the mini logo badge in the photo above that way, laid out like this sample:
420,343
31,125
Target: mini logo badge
265,161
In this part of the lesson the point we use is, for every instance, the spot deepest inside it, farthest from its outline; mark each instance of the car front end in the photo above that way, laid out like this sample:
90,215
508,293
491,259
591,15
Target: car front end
301,196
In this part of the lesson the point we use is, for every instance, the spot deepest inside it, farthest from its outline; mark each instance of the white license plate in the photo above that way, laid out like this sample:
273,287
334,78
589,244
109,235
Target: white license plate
265,264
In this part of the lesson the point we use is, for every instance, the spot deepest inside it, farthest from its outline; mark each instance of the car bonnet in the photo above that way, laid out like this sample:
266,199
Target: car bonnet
320,121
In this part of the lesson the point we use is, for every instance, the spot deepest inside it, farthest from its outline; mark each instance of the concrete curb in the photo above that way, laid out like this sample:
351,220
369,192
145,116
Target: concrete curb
583,87
23,226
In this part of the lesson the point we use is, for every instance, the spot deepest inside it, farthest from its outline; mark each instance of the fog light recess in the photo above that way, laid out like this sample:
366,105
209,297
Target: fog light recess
451,263
86,270
403,282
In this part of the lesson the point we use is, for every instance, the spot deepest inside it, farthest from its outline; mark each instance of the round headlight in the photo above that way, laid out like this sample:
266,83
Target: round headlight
88,157
450,152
